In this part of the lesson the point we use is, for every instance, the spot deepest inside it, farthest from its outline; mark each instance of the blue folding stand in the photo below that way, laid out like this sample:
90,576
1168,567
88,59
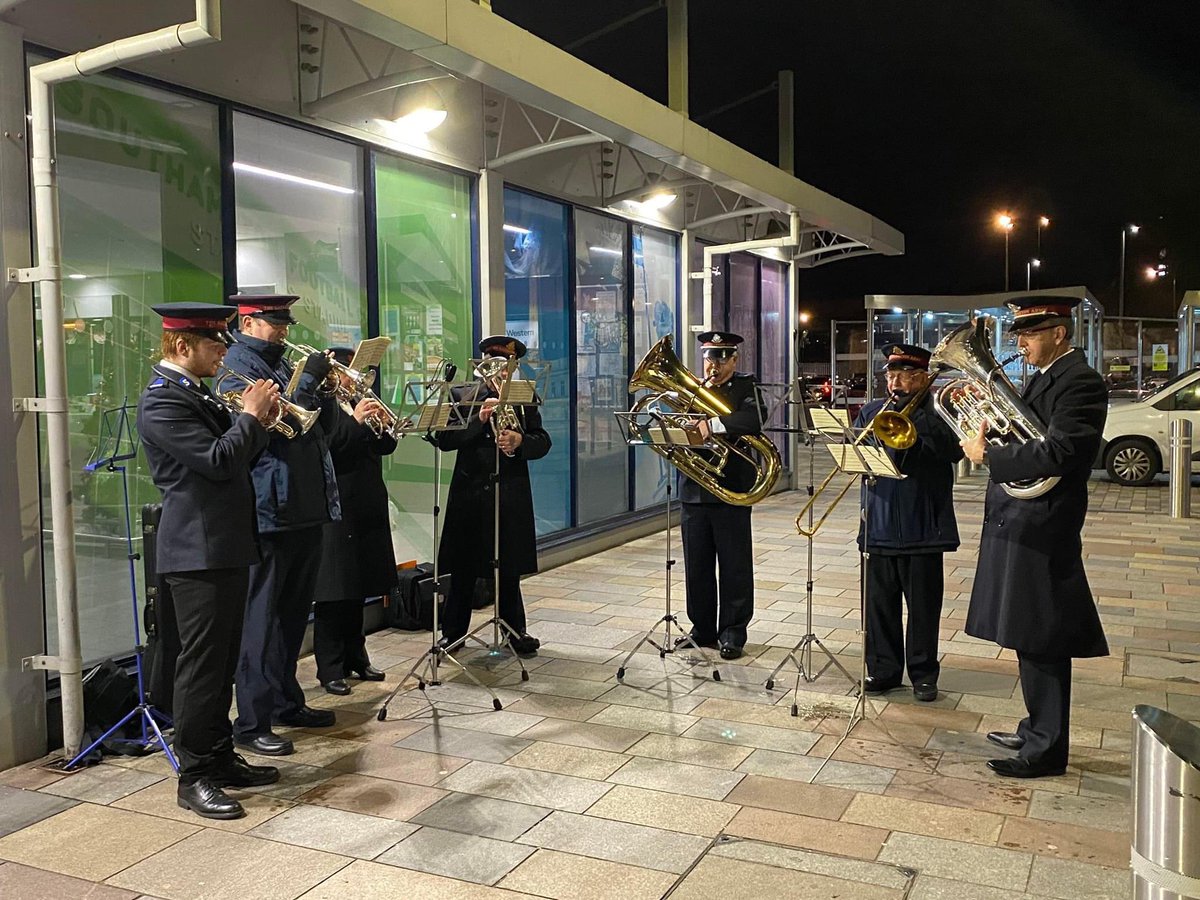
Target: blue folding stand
117,444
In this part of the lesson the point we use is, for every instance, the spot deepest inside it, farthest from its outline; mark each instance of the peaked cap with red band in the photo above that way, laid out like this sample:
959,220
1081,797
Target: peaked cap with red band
1039,311
207,319
719,343
906,357
502,345
275,308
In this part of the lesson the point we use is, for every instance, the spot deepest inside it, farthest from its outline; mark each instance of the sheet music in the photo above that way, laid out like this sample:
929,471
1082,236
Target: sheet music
863,459
829,421
520,391
370,352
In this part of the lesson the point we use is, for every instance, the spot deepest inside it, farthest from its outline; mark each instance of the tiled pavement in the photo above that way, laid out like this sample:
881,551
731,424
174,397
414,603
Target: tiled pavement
670,783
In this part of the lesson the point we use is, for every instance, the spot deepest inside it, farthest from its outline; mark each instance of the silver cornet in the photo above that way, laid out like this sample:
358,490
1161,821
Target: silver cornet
361,381
282,408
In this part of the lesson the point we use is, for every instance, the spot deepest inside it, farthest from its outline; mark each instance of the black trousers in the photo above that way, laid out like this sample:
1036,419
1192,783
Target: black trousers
918,579
208,609
338,641
1046,687
456,616
718,557
277,607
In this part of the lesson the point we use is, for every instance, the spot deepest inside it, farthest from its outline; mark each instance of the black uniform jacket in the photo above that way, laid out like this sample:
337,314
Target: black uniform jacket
467,536
742,395
1031,592
914,514
294,479
357,559
200,459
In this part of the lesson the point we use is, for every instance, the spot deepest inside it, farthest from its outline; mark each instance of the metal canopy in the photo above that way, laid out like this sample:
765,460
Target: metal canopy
555,124
949,302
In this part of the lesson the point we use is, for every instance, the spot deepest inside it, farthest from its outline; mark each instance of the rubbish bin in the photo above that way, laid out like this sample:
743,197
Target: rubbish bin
1165,849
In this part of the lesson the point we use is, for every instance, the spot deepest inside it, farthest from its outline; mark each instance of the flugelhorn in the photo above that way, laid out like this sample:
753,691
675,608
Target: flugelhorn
891,427
282,408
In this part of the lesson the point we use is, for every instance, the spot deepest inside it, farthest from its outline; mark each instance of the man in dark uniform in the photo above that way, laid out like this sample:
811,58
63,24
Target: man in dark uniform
910,525
200,457
467,533
1031,593
296,489
716,535
357,560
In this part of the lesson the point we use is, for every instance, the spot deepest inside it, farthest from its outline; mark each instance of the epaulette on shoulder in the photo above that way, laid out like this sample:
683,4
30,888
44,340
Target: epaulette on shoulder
156,383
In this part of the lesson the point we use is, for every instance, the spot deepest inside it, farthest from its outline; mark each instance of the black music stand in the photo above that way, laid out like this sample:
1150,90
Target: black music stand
513,391
119,443
434,413
669,431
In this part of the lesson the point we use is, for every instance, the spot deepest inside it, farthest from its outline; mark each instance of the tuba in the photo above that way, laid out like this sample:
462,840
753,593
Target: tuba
985,394
673,386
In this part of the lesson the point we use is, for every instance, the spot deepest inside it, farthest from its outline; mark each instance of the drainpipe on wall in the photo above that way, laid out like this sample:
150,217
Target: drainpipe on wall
48,274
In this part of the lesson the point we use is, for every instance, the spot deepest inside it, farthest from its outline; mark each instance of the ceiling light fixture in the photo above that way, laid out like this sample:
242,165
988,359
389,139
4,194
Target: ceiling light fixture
659,200
293,179
516,229
421,120
606,251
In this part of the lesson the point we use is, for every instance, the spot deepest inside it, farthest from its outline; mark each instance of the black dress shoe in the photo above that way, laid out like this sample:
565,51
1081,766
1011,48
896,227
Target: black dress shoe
730,651
239,773
269,744
1006,739
206,799
338,686
369,673
524,645
874,685
307,717
682,643
926,691
1019,767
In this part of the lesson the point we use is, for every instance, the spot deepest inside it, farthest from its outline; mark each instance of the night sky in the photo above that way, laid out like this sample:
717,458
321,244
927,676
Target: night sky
934,115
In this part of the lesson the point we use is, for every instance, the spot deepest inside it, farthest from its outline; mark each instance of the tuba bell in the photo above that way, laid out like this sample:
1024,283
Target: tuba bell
985,394
672,385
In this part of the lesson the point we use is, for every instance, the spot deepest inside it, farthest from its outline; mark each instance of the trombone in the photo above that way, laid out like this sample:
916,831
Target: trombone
233,400
891,427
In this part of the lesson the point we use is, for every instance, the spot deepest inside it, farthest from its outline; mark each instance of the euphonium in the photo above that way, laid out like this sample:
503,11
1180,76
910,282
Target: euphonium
670,383
891,427
233,400
985,394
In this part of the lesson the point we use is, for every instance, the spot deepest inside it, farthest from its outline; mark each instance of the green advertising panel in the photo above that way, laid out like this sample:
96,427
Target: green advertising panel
139,179
425,306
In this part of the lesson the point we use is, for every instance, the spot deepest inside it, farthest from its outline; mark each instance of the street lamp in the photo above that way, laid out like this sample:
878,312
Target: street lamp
1128,229
1034,263
1005,223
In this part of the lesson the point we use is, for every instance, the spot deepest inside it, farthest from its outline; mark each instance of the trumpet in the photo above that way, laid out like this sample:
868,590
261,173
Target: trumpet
891,427
282,408
361,381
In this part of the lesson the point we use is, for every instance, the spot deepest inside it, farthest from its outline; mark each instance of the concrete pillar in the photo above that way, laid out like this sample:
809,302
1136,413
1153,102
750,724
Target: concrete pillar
677,55
22,625
491,253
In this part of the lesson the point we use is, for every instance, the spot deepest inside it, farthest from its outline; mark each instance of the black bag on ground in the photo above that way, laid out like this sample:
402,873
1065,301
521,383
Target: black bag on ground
484,592
158,619
108,694
410,606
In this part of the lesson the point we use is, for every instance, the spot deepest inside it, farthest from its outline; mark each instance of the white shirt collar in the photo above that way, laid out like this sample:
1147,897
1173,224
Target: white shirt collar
181,370
1051,366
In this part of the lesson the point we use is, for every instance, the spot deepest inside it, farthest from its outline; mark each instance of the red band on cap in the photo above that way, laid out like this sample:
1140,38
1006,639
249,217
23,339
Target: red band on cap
1049,310
904,357
256,308
171,323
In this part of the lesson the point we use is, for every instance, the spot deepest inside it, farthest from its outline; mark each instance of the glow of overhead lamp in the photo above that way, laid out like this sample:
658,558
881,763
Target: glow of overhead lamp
659,200
804,318
929,315
897,309
1036,263
516,229
291,179
1044,221
421,120
1134,229
606,251
1152,273
1004,222
77,276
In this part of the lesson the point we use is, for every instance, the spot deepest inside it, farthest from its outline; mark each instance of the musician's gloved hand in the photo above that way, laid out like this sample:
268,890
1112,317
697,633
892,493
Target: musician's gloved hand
318,366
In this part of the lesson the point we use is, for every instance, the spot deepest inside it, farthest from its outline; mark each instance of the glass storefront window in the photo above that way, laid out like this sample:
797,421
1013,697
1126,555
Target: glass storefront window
602,359
774,336
537,305
299,227
655,267
140,197
743,308
426,305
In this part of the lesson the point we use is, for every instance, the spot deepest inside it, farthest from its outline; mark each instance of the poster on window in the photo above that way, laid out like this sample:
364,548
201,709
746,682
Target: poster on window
1159,358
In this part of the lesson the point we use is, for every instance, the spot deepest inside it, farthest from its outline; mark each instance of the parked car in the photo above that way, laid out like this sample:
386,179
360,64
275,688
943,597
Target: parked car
1136,435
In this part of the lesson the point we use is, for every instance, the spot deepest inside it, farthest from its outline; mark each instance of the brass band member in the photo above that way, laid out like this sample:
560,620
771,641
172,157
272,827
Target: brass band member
467,534
910,525
1031,593
200,458
716,535
297,494
357,559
